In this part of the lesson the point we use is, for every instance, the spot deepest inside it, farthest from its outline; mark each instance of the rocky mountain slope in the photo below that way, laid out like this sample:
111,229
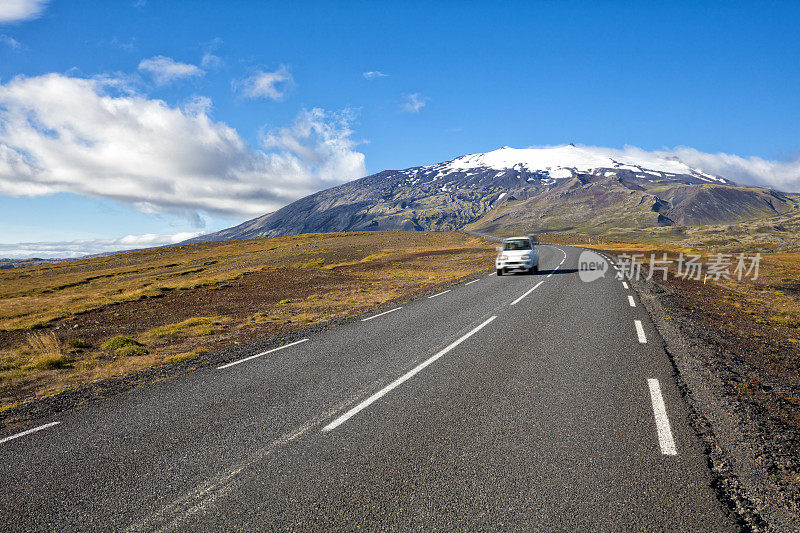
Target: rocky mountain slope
564,188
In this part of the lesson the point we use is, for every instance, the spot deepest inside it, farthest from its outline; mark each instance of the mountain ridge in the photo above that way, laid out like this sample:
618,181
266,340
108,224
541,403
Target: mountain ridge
563,188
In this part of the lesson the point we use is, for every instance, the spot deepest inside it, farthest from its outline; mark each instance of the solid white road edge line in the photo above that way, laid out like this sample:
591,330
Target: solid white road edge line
28,432
640,331
624,284
630,301
471,282
662,422
439,293
260,354
381,314
402,379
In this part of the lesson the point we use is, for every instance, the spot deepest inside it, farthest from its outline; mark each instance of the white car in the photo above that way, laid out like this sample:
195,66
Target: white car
518,253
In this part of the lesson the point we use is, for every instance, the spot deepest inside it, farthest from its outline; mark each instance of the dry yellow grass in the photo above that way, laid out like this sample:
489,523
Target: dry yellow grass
153,307
45,352
40,352
182,356
33,296
193,327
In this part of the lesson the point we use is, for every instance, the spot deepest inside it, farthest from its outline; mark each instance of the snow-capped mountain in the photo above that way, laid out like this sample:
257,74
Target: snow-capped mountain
561,162
561,188
546,166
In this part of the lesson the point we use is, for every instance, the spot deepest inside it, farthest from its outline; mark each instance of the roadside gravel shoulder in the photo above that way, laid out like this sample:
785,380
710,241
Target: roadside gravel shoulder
749,453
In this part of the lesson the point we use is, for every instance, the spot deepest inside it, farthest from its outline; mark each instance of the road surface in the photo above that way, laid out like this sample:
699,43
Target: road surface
535,402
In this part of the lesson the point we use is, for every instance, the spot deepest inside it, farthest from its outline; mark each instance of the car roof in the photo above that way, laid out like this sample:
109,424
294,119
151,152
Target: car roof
520,237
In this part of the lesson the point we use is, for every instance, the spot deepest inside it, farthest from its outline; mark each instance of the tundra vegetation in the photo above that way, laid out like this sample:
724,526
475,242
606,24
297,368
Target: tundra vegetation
67,324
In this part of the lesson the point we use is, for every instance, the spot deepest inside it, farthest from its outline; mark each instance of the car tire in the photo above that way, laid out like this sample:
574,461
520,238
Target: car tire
499,271
535,269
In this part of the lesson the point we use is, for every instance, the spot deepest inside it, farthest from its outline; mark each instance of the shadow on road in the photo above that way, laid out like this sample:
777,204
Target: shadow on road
543,271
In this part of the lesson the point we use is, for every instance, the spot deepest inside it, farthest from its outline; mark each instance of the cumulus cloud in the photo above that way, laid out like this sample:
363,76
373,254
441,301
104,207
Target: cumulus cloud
272,85
16,10
165,69
10,41
374,74
68,134
322,141
414,102
79,248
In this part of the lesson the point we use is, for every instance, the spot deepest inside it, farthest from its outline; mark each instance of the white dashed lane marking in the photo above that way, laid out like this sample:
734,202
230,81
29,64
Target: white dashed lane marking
402,379
381,314
28,432
665,439
439,293
260,354
640,331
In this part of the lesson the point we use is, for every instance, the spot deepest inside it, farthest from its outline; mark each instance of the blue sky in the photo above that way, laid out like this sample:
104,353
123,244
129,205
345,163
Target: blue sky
162,119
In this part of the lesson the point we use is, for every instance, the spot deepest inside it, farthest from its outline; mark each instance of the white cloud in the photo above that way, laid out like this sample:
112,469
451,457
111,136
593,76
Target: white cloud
79,248
780,175
210,61
16,10
262,84
198,105
322,141
165,69
374,74
67,134
414,102
10,41
751,171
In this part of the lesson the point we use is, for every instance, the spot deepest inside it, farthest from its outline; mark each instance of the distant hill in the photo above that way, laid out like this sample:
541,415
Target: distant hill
6,262
565,188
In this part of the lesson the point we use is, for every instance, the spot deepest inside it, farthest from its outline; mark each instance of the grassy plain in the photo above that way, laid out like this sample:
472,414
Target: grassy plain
63,325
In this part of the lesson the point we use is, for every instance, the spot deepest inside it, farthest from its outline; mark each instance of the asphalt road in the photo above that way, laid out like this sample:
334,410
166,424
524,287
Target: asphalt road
518,402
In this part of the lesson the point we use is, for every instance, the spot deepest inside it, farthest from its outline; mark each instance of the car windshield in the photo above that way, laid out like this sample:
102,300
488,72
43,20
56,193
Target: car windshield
517,244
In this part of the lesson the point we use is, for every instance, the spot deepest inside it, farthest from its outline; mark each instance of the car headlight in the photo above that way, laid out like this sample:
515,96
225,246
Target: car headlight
501,258
526,256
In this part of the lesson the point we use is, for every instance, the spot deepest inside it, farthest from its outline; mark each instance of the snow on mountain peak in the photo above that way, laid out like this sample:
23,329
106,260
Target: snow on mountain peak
561,160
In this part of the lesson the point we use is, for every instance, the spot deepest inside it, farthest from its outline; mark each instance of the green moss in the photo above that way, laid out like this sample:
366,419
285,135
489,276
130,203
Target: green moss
131,350
197,326
119,342
78,343
48,361
182,356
